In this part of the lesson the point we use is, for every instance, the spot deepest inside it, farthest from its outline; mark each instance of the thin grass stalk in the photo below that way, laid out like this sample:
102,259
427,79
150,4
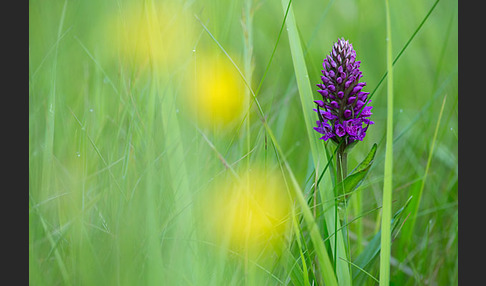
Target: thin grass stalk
247,52
385,252
298,234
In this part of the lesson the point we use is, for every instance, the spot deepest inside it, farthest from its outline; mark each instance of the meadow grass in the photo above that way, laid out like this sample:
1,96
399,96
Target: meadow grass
123,168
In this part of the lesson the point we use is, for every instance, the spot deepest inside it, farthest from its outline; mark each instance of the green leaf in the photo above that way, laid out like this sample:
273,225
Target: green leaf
366,163
354,179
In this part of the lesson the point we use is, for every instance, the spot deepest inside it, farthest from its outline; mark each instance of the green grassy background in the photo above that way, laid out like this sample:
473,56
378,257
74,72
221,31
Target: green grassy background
118,166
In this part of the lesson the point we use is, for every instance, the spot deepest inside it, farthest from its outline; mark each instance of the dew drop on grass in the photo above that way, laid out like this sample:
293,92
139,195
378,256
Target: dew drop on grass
78,154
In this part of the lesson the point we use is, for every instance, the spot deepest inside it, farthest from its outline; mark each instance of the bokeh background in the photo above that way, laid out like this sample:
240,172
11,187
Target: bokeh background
147,152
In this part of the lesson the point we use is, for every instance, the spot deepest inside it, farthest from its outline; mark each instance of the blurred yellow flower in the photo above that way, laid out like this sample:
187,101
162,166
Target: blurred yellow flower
252,214
217,95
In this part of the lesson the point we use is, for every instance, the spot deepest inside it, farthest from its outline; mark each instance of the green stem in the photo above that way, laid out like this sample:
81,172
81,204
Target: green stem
338,180
248,54
344,167
344,164
338,168
341,171
341,162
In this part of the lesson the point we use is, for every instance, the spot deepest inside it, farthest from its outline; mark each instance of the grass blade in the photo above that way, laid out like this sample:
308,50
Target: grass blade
388,177
302,78
297,236
317,148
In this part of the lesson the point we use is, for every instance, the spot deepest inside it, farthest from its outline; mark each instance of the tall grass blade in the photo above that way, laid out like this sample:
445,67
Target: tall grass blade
302,78
317,150
387,184
298,234
247,23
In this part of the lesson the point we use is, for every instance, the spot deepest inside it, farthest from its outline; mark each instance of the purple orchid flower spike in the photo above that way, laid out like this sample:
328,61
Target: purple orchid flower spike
343,113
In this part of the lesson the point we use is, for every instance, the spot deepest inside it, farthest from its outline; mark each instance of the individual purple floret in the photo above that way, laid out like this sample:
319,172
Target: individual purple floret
324,128
342,112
